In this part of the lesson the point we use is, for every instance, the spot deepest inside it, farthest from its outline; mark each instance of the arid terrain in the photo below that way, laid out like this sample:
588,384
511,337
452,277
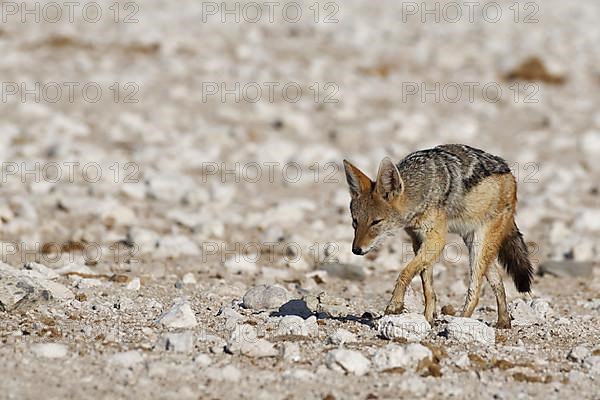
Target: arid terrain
174,213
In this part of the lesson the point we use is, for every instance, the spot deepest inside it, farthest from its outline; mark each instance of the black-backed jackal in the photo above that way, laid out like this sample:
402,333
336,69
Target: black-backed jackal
450,188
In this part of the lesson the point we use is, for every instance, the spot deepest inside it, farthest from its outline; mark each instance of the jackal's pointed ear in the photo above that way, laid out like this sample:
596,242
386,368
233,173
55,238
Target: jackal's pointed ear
357,181
389,183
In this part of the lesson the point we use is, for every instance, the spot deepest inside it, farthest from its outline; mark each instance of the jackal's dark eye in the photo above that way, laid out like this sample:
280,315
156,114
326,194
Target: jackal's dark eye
377,221
354,223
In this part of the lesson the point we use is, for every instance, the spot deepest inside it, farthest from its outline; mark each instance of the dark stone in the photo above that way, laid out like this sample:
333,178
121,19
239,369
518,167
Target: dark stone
293,307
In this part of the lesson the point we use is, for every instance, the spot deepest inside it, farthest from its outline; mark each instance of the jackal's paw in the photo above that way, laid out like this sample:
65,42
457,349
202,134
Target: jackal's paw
505,324
394,308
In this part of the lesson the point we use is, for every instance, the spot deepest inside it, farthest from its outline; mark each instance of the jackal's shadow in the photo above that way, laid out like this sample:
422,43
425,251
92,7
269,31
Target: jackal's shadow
299,308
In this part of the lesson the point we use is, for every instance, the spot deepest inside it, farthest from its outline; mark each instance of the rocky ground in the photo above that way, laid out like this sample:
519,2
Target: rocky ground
175,219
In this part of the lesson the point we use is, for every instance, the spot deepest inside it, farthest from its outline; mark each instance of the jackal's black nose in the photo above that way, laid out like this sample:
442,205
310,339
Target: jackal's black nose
358,251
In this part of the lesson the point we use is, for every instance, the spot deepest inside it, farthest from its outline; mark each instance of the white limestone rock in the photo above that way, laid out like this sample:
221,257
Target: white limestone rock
24,288
265,297
41,270
395,356
244,340
297,326
527,313
180,315
348,361
579,353
341,336
410,326
469,330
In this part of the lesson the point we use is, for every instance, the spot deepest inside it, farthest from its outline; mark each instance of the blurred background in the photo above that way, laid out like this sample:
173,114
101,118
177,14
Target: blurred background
221,120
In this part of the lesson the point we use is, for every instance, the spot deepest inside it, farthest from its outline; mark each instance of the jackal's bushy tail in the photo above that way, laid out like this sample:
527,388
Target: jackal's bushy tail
514,256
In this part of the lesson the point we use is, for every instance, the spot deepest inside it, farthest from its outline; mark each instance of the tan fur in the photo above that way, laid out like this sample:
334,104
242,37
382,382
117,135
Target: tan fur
489,198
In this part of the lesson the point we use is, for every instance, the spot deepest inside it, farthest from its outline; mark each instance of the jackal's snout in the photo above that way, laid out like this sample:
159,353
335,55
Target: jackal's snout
358,251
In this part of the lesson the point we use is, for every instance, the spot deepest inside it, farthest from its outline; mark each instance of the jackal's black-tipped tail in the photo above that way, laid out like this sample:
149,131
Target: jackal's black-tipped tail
515,258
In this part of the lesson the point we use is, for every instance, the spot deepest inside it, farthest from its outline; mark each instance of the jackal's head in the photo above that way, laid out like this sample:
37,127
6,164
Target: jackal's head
374,205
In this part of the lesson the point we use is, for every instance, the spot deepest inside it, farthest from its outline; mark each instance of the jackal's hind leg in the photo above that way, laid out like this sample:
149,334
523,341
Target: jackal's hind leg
476,270
495,280
484,244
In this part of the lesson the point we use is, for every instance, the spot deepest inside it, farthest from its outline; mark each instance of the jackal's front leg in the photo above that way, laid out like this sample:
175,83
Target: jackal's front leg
428,253
426,276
